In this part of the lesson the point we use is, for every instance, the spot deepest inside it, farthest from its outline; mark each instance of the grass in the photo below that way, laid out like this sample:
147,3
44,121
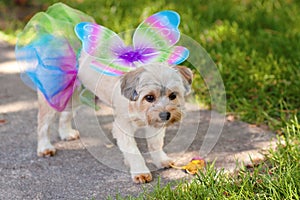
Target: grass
256,47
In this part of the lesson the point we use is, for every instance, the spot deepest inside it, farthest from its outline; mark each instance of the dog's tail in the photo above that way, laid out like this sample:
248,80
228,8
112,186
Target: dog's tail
47,51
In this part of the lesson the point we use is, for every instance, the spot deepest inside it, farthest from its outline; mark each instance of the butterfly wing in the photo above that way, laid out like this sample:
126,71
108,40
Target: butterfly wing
113,68
104,47
159,31
173,56
158,34
98,41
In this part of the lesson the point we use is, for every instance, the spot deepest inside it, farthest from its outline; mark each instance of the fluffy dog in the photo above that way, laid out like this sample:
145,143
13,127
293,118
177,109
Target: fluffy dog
56,50
151,96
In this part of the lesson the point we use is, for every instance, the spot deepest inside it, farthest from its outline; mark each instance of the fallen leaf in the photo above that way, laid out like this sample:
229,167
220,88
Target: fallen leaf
196,164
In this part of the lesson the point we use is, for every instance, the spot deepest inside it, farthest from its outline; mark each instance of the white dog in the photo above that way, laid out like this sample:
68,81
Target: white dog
151,96
56,50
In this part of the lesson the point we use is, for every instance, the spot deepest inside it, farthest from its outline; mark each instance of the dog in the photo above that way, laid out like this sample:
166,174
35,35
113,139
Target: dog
151,96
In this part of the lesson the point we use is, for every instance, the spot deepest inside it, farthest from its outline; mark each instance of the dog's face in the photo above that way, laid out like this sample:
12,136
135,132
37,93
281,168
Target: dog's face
156,93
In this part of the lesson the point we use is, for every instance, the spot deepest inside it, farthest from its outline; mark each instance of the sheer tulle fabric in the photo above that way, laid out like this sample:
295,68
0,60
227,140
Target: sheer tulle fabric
47,51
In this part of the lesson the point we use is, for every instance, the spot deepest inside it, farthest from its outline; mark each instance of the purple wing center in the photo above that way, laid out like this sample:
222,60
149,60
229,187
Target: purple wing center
130,55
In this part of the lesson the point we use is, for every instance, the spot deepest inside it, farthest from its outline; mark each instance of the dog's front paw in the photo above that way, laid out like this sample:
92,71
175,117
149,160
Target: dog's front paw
46,150
166,163
142,178
69,134
161,160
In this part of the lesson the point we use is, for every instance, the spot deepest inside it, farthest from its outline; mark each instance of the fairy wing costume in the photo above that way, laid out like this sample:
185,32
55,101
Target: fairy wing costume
50,44
153,41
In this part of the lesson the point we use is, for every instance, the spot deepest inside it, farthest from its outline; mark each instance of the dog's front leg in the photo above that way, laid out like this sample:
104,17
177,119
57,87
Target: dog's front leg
124,134
155,140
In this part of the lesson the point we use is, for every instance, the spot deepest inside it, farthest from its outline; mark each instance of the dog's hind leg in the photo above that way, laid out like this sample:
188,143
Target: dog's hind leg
46,115
66,132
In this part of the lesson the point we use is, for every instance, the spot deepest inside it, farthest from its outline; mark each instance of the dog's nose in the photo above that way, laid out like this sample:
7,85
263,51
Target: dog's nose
164,116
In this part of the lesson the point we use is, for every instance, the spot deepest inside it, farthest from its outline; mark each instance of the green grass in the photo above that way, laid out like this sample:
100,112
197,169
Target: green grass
256,47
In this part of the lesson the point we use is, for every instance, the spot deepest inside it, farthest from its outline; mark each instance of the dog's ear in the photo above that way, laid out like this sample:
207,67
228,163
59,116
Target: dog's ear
129,83
187,77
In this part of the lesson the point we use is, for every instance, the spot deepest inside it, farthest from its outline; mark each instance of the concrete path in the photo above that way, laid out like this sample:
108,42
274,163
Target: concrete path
92,166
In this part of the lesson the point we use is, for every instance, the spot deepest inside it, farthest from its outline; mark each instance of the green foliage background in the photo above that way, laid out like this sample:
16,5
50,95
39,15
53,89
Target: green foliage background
254,43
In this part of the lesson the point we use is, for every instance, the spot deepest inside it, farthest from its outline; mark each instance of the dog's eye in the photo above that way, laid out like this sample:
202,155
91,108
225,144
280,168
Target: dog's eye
172,96
150,98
